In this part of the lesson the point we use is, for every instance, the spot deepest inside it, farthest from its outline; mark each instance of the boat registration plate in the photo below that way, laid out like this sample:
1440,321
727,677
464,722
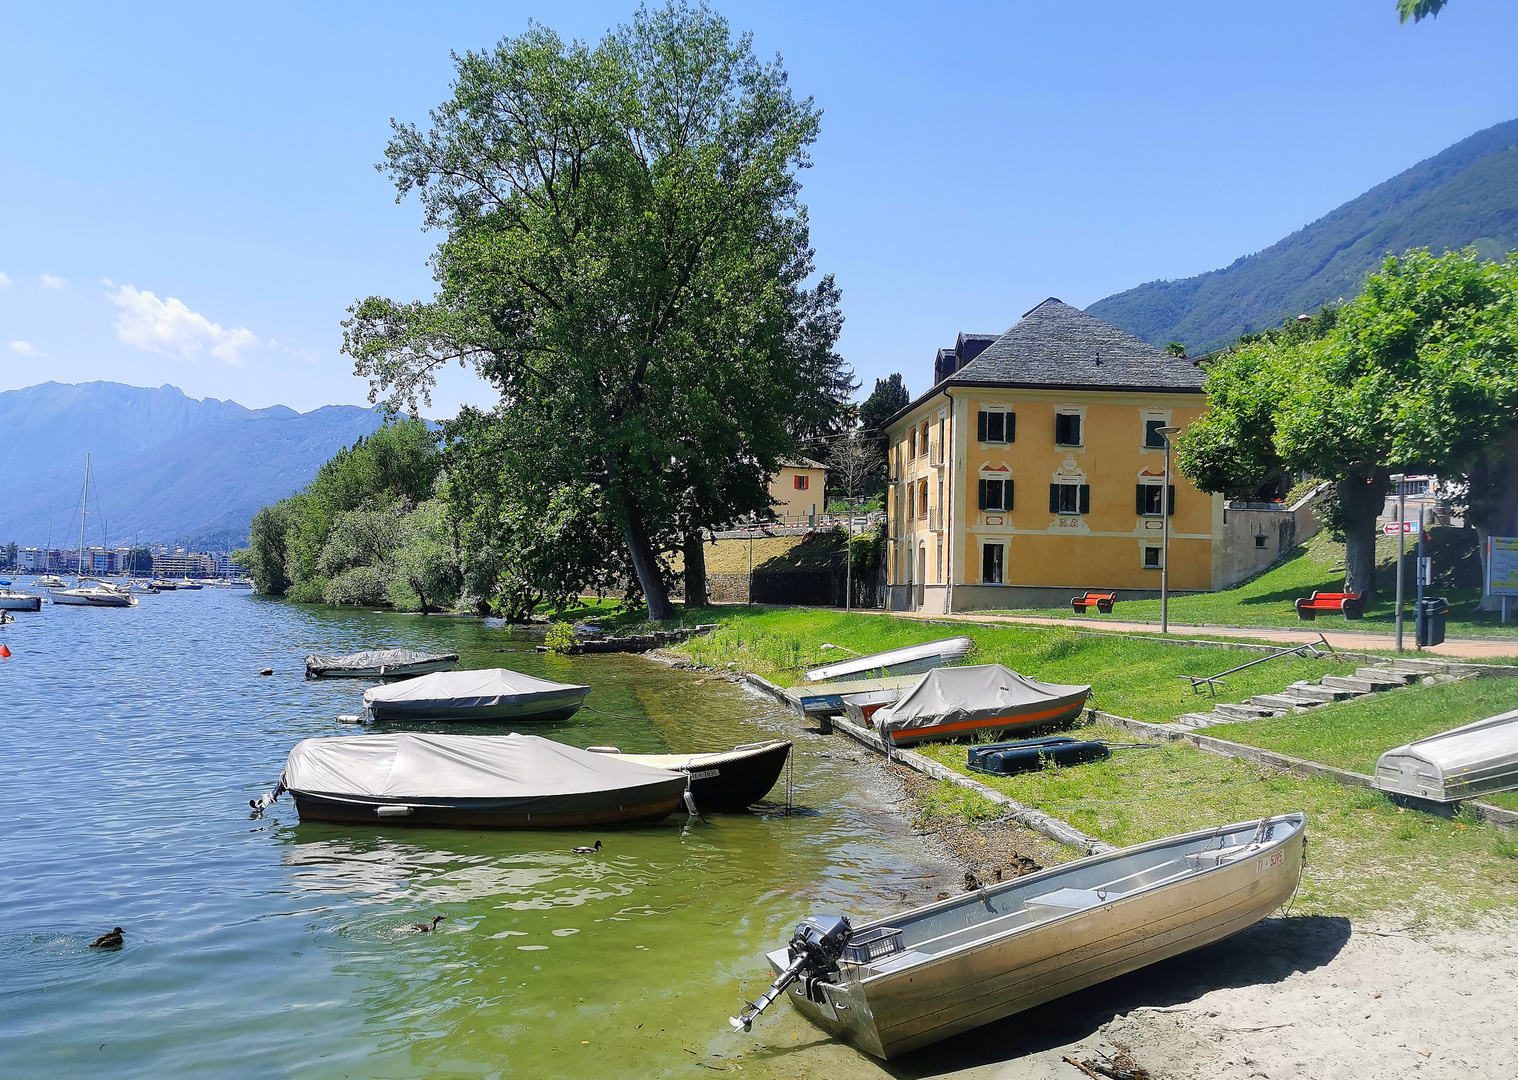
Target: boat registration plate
704,774
1276,858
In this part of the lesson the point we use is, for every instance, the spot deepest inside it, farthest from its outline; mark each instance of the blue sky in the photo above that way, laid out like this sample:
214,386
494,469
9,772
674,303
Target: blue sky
189,193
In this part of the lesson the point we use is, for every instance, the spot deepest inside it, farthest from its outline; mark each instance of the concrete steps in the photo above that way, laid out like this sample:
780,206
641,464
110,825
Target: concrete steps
1245,712
1399,676
1324,694
1359,685
1287,702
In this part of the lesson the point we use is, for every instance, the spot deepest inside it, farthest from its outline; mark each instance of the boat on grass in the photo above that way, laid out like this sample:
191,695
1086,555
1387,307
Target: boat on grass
1461,763
893,985
480,694
472,781
823,699
954,703
379,664
861,708
726,779
904,661
17,600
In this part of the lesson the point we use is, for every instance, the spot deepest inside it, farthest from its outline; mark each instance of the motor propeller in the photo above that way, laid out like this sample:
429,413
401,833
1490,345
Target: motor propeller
814,950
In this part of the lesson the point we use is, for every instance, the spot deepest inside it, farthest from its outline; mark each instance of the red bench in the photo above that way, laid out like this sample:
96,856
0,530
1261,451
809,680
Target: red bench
1349,604
1102,601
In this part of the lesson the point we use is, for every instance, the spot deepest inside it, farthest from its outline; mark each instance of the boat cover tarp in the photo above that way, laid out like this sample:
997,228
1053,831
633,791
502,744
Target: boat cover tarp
980,692
373,658
1455,764
417,766
480,688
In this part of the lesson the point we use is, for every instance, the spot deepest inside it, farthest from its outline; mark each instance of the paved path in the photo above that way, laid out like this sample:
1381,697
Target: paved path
1349,640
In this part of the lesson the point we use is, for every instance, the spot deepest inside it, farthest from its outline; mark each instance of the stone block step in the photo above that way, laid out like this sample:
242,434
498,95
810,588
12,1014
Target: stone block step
1423,667
1283,701
1387,674
1322,693
1246,712
1199,719
1359,686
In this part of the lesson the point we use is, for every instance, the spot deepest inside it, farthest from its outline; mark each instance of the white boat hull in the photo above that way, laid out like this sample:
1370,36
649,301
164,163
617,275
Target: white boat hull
20,602
910,660
88,598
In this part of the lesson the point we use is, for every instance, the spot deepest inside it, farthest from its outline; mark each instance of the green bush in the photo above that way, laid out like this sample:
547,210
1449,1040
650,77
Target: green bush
560,638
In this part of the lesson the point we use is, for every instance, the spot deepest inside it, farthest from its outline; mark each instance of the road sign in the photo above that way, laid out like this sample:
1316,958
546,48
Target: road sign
1390,528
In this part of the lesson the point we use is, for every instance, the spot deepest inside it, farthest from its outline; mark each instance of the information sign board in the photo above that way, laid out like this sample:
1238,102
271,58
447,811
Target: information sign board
1502,565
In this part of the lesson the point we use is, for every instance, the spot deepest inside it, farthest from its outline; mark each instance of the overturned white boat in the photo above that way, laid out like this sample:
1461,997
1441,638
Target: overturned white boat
896,984
953,703
1458,764
481,694
905,661
16,600
379,664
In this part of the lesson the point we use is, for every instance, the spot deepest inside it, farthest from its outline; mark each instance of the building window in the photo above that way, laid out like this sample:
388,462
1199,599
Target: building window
991,563
922,488
1260,540
912,448
1151,558
1067,429
803,482
996,427
1152,437
996,494
1069,498
1149,502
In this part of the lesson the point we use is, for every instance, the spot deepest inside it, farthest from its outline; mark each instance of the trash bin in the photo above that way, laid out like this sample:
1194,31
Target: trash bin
1432,611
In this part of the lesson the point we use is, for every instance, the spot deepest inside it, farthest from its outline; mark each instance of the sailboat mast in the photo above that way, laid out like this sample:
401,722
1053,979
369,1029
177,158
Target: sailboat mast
84,508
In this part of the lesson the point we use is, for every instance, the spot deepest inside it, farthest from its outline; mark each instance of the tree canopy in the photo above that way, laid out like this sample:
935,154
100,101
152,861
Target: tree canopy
626,259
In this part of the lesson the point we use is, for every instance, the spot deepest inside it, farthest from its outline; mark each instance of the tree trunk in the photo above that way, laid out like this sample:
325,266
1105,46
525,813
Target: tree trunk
646,566
695,570
1494,507
1360,502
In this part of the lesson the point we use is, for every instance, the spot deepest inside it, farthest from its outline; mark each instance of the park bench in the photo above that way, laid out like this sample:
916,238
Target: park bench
1347,603
1102,601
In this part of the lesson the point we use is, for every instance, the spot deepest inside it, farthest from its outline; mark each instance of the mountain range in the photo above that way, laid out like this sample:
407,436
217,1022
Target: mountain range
164,467
1465,195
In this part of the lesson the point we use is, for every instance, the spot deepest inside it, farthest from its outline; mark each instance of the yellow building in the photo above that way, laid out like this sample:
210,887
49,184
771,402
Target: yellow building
797,490
1034,471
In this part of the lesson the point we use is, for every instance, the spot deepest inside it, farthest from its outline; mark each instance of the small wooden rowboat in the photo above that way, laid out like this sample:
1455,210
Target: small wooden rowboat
726,780
379,664
903,982
953,703
904,661
472,781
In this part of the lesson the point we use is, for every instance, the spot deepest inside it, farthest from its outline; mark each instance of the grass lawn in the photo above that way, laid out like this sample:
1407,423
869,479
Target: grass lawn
1365,855
1353,734
1131,676
1317,566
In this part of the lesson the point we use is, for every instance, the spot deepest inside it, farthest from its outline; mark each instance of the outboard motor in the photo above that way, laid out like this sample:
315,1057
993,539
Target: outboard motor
814,950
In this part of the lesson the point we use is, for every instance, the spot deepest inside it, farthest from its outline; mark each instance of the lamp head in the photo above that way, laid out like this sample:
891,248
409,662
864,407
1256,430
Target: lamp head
1168,431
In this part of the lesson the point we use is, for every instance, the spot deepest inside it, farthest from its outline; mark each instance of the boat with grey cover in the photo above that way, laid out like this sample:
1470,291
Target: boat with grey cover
908,660
471,781
954,703
479,694
1461,763
895,984
379,664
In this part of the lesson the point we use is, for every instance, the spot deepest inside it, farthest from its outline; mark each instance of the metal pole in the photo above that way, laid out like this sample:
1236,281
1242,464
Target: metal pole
1422,553
751,562
1401,554
848,559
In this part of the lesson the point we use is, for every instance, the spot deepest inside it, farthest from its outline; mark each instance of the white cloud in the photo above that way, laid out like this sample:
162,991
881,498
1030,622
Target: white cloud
296,349
26,349
51,282
170,328
5,282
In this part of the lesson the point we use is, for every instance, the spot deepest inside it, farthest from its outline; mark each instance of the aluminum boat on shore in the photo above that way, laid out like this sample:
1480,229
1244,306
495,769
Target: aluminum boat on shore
904,661
1458,764
896,984
479,694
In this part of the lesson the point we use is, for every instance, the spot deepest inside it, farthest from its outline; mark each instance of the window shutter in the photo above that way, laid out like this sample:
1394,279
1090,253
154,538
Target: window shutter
980,426
1053,498
1006,502
1085,498
1138,499
1011,428
1075,431
983,484
1059,429
1170,498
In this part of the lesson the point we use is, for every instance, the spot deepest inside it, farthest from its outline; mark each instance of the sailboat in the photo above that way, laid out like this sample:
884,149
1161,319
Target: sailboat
88,592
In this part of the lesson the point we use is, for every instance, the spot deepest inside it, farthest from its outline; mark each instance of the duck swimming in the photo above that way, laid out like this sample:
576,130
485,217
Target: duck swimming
108,941
423,928
587,850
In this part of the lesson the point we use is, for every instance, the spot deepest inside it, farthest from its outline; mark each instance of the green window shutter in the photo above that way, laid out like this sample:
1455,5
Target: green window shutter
1170,498
1011,428
1053,498
1085,498
983,488
980,426
1007,498
1138,499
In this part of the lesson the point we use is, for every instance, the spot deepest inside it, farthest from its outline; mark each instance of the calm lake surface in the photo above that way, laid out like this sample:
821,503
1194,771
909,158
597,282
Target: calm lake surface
267,948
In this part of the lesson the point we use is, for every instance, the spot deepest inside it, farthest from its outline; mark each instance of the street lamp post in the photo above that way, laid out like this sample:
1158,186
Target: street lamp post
1401,547
1166,432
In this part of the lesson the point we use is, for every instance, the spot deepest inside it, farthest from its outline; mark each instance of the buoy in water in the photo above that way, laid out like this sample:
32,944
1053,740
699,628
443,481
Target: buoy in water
267,671
4,650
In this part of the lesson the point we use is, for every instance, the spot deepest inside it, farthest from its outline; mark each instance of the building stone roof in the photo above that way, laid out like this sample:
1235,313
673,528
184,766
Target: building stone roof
1056,345
800,463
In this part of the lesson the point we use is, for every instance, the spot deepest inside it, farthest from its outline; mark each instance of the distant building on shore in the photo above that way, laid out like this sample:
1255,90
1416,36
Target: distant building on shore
797,489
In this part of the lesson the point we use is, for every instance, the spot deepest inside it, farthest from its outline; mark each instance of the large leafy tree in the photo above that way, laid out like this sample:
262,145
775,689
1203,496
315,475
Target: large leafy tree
887,399
1418,373
626,260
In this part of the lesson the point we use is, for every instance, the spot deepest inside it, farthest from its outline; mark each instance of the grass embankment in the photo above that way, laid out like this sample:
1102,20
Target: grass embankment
1317,566
1353,734
1130,676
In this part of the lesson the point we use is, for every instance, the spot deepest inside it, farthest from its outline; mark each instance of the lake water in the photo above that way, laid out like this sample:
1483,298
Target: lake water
267,948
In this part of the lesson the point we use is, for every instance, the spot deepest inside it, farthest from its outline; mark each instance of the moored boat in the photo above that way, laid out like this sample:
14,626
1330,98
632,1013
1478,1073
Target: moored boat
51,581
472,781
164,584
952,703
379,664
822,699
96,595
481,694
904,661
726,779
16,600
1461,763
903,982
